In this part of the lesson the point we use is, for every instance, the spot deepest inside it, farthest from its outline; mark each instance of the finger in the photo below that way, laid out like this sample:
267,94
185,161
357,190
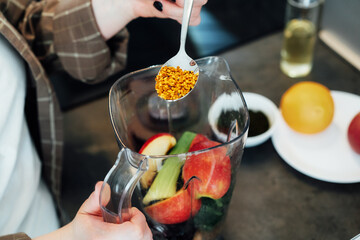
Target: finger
171,10
138,225
104,193
193,21
148,234
176,13
195,17
137,217
91,205
197,3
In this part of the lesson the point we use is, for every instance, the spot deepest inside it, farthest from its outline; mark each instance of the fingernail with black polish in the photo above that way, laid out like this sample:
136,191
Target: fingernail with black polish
173,1
158,5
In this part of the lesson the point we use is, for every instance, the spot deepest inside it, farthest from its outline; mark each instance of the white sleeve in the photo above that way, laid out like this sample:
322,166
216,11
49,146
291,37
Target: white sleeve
12,100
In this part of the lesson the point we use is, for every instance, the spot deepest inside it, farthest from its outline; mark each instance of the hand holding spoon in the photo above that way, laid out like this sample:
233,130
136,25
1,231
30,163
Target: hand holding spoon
182,60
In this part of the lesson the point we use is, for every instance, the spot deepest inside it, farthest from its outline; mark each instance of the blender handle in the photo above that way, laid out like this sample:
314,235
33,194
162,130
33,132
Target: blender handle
118,187
125,201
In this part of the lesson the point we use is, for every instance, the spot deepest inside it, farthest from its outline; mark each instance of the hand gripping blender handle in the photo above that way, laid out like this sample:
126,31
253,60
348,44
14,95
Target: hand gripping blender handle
119,185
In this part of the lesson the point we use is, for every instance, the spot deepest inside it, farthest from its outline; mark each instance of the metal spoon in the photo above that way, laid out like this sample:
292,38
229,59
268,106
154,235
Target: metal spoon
181,59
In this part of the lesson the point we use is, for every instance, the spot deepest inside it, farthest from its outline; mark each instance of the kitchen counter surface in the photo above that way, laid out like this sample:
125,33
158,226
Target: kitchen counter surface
271,199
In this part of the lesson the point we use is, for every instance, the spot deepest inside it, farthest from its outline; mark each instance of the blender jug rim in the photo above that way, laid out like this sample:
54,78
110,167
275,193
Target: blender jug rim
139,155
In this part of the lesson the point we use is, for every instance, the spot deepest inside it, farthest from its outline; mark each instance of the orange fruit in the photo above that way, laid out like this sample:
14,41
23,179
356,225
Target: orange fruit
307,107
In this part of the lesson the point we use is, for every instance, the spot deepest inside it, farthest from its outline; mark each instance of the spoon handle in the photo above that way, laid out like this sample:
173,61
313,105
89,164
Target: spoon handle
185,22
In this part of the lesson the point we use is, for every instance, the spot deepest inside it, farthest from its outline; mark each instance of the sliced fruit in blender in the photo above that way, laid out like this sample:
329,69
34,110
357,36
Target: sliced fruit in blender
164,184
176,209
158,144
212,167
198,138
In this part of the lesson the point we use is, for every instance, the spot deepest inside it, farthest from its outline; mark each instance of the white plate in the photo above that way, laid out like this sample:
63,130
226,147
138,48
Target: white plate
327,155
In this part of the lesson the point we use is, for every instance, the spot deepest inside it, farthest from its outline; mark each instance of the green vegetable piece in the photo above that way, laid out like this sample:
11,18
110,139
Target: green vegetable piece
213,211
164,185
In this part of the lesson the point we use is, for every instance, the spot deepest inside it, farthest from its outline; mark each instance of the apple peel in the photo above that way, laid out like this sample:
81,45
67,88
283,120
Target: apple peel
212,167
353,133
164,184
177,209
159,144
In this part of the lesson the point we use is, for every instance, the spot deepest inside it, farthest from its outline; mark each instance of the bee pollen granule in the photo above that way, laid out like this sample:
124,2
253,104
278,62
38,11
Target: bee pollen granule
173,83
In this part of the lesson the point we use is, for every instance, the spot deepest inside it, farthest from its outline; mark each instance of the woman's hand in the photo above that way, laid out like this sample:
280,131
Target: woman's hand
167,9
88,224
113,15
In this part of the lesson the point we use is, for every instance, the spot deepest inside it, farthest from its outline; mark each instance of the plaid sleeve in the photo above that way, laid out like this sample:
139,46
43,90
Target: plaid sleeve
79,45
18,236
68,30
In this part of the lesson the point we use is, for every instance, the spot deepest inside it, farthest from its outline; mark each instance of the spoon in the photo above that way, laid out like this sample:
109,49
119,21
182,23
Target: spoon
181,59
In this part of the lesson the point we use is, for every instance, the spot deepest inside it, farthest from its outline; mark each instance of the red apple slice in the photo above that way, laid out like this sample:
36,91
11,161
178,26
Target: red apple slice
353,133
198,138
212,167
176,209
158,144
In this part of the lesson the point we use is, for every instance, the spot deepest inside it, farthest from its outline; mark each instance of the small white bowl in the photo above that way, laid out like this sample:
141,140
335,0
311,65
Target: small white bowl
225,102
257,102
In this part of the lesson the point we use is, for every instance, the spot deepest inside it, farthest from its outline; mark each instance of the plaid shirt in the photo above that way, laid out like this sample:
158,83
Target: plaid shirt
61,33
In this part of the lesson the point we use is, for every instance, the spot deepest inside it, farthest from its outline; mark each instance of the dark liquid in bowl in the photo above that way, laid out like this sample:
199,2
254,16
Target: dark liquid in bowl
259,123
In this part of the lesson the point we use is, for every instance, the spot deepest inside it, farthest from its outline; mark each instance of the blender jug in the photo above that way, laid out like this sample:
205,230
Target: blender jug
184,194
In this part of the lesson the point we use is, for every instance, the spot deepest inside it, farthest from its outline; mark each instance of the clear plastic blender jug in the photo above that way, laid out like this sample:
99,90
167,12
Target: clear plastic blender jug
185,195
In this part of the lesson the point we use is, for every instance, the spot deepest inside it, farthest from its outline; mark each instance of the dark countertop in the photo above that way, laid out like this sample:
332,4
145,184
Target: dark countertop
271,200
